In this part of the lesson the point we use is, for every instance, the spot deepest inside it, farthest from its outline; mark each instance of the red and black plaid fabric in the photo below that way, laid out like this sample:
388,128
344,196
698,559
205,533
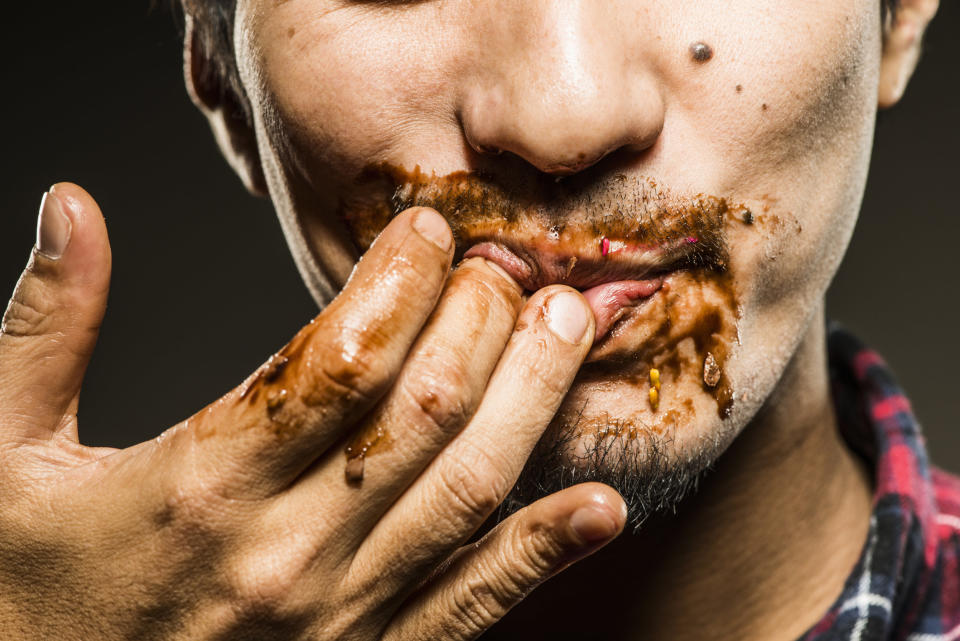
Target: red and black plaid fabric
906,585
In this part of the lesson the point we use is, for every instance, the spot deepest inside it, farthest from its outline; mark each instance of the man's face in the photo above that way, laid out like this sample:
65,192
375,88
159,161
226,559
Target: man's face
695,168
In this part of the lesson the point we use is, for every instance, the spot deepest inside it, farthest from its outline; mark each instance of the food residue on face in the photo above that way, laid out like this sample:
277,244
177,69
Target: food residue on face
711,371
686,330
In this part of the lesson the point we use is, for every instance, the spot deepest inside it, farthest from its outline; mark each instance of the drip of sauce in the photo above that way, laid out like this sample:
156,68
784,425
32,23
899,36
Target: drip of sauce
357,450
353,472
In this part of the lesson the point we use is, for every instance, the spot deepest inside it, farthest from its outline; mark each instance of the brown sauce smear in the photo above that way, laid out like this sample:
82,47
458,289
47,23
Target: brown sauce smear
698,305
696,316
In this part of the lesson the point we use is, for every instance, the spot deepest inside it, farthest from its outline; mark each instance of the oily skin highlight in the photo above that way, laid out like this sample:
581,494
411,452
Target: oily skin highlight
777,123
403,94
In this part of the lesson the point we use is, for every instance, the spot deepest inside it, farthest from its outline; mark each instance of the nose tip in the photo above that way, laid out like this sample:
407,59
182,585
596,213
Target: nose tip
562,135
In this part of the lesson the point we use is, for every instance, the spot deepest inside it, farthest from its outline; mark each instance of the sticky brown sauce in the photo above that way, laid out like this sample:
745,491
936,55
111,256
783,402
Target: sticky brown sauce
679,333
695,316
477,202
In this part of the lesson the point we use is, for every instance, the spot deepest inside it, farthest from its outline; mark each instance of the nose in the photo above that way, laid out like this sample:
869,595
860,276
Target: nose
560,84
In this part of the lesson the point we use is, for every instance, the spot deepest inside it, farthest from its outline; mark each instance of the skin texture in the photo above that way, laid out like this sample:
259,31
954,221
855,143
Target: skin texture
328,495
779,119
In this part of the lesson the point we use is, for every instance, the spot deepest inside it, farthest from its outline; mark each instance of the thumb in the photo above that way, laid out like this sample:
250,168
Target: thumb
51,324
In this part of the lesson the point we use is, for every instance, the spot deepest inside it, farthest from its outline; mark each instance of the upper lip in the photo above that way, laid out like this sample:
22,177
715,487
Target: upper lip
537,263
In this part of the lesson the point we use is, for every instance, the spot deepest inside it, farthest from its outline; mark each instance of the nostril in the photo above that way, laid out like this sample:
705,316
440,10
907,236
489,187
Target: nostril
490,150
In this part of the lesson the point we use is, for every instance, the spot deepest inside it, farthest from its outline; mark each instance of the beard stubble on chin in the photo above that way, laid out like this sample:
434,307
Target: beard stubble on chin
648,471
652,468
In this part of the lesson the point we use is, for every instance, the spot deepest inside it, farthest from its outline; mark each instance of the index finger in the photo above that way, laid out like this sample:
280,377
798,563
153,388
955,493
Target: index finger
269,429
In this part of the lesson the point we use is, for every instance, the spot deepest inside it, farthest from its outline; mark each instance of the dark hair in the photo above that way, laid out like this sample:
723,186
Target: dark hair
213,27
213,30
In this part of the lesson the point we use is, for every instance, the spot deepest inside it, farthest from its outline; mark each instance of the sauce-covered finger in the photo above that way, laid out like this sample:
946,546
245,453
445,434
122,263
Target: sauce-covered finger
304,397
437,391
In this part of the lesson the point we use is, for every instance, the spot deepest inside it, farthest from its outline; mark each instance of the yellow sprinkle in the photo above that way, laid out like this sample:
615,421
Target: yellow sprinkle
654,398
655,378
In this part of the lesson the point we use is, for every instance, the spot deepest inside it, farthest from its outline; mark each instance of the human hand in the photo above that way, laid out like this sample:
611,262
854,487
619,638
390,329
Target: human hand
250,520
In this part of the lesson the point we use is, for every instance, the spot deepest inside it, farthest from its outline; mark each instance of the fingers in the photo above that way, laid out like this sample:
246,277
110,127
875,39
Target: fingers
51,323
438,389
485,581
473,474
268,430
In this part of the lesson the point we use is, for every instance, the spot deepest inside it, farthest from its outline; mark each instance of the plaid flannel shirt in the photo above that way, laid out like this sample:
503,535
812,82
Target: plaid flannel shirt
906,584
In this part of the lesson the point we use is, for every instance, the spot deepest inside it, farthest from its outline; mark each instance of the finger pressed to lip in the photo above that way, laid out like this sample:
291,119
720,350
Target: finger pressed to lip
472,475
311,392
438,390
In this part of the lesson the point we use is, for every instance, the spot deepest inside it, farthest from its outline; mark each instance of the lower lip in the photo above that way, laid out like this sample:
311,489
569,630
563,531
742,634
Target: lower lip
610,301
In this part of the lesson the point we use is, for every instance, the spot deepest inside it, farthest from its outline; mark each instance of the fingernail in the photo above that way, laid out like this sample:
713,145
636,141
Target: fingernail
53,227
594,524
434,228
567,317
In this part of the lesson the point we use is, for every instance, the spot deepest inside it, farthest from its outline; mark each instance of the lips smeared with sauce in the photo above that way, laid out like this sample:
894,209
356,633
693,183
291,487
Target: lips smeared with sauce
672,313
609,300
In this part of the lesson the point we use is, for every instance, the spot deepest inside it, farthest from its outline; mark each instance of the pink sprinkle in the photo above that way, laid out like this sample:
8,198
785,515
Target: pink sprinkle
691,239
604,246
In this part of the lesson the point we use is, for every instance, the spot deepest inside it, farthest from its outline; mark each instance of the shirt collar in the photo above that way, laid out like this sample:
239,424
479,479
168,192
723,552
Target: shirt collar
880,597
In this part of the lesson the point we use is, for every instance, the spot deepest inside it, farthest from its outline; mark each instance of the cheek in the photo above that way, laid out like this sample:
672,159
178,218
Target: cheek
350,85
791,119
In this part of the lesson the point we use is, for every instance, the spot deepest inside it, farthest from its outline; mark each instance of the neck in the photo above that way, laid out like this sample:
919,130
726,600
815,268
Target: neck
760,552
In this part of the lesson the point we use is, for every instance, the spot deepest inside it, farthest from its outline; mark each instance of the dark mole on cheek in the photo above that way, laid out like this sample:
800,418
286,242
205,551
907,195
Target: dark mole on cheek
701,51
739,88
764,106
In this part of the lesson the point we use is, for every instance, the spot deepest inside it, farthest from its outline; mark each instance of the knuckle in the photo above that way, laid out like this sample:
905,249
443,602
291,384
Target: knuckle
538,552
192,503
506,579
478,604
28,314
440,396
351,364
472,486
264,585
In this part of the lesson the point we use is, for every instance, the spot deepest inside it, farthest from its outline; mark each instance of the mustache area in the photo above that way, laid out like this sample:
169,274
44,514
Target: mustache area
599,222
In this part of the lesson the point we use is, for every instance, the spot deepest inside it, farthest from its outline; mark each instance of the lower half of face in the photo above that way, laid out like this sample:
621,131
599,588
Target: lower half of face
695,170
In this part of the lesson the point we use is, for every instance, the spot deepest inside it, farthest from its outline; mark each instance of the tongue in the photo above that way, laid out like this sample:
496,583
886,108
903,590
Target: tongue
611,300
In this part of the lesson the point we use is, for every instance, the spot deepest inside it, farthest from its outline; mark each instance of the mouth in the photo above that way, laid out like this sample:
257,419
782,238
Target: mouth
617,277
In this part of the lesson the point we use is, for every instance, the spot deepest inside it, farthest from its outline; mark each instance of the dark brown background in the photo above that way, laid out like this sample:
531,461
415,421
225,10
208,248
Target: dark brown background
204,288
